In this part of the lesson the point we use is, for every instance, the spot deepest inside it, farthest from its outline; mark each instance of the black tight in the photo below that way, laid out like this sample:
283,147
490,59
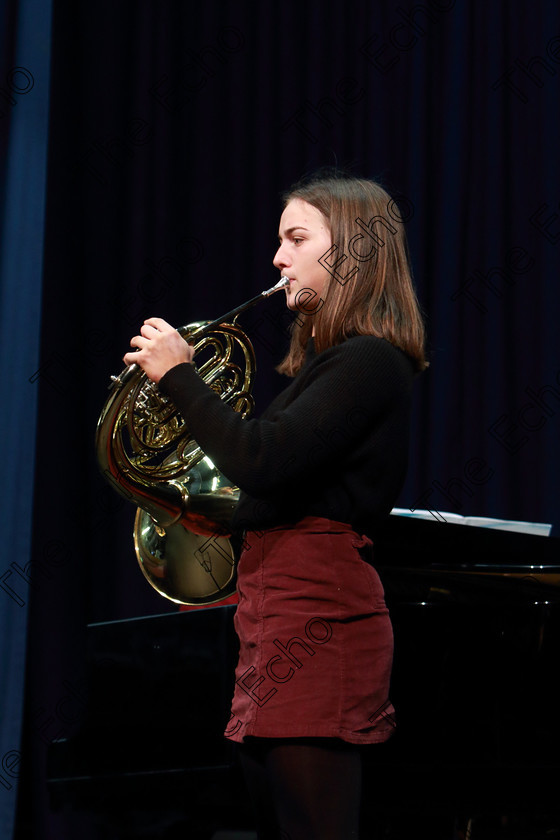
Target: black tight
303,788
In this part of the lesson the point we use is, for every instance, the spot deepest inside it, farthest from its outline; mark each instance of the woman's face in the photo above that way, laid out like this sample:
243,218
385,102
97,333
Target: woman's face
304,238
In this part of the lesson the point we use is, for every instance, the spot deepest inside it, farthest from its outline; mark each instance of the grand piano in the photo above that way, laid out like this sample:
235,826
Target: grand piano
476,615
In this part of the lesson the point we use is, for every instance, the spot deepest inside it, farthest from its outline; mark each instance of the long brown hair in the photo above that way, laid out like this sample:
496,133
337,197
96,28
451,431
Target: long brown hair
369,288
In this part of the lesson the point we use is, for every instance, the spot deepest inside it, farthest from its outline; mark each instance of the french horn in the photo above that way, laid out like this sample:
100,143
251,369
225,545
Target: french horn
182,535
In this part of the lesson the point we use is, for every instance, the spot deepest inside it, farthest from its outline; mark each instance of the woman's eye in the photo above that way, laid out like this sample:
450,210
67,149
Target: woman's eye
296,240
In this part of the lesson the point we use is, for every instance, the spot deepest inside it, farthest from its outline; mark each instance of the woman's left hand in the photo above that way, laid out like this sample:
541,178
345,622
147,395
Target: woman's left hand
160,347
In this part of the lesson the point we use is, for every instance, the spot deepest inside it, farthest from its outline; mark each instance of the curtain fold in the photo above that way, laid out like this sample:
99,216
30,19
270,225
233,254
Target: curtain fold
24,104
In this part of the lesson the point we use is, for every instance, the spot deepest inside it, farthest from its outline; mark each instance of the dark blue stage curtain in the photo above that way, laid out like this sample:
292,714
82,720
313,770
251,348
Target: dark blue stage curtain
24,102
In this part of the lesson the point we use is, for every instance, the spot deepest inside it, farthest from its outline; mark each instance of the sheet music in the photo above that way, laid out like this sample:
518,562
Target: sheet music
540,529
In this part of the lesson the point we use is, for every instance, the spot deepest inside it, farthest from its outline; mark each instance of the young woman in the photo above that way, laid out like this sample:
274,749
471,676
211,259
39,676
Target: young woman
318,471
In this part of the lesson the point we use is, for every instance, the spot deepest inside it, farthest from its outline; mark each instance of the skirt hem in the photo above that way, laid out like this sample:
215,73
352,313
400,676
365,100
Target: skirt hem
306,732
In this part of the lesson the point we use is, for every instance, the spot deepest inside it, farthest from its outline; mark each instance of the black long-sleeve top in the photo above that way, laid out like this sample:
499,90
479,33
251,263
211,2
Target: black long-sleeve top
334,443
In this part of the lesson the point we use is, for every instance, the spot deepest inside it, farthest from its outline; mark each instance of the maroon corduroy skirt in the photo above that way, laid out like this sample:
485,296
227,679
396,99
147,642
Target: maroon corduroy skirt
316,642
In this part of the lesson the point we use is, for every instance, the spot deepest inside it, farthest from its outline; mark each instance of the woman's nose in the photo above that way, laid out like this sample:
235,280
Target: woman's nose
280,259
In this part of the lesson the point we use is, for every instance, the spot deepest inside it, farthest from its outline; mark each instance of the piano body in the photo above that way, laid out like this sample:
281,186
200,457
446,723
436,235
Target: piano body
476,615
